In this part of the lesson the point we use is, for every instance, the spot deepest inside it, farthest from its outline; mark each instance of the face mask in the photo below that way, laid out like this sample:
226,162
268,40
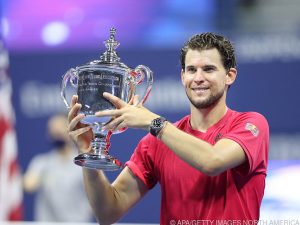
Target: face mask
58,143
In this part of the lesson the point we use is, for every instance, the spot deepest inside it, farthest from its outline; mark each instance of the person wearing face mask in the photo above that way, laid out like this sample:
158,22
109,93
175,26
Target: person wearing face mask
58,183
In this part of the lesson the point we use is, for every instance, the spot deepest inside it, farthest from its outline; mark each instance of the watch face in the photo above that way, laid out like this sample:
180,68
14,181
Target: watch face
157,123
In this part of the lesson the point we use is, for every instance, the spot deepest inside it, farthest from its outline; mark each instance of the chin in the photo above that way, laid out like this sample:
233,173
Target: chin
199,100
203,102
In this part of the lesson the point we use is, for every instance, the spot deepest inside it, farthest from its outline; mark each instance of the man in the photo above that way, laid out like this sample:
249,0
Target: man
211,164
55,179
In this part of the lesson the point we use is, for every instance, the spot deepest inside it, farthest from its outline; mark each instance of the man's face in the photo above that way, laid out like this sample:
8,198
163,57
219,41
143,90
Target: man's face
204,77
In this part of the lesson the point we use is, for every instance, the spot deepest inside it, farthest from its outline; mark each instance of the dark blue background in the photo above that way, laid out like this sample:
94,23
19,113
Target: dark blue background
151,33
270,88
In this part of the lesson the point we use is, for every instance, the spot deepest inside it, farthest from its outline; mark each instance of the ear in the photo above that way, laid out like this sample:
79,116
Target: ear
182,76
231,76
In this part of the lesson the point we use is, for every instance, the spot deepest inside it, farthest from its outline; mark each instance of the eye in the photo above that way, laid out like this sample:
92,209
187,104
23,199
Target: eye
191,69
209,69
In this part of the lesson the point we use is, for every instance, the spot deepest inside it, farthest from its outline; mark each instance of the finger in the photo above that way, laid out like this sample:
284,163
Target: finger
117,102
74,100
73,123
136,100
112,113
113,124
74,111
74,134
121,126
131,101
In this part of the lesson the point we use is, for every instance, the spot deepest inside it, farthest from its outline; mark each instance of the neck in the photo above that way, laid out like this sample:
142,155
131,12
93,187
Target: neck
202,119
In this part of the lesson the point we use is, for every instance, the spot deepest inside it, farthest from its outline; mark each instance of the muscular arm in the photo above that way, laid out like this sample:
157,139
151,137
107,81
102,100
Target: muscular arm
111,201
209,159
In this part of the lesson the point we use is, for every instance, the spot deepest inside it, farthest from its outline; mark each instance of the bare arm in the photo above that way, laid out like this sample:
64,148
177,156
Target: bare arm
207,158
109,201
210,159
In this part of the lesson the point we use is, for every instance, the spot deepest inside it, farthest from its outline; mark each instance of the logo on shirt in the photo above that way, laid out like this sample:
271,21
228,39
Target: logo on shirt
252,128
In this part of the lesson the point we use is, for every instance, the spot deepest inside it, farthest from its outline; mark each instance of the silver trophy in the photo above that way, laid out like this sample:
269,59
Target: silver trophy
90,80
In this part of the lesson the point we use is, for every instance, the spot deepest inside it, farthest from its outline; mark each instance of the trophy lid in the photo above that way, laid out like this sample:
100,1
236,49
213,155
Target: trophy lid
110,55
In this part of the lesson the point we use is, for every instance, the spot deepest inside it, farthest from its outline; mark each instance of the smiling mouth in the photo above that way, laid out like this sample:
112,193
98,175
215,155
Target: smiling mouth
199,90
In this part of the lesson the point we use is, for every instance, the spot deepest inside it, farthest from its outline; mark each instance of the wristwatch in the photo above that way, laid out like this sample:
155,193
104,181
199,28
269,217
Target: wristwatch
157,125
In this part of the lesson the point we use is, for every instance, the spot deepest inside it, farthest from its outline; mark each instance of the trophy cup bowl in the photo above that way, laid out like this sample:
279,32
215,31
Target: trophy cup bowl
92,79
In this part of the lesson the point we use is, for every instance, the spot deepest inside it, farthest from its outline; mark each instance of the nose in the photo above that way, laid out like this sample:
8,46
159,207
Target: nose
199,77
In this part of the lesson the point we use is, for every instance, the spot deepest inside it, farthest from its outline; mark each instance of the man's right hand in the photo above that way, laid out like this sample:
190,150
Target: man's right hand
80,133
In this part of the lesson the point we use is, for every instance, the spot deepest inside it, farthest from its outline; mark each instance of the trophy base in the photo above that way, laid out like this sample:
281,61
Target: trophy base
99,162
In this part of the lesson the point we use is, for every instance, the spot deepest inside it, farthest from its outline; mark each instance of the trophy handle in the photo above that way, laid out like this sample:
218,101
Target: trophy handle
139,74
72,76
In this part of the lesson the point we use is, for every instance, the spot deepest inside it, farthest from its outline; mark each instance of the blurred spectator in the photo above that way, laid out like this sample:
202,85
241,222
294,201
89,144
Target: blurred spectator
57,180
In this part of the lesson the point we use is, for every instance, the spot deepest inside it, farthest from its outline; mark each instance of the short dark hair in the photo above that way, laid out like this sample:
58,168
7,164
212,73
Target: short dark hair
210,40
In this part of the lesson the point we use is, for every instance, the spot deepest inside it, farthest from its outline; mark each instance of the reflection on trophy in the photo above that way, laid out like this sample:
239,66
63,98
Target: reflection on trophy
92,79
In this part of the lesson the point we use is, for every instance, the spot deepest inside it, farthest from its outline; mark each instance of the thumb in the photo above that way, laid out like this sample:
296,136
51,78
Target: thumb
136,100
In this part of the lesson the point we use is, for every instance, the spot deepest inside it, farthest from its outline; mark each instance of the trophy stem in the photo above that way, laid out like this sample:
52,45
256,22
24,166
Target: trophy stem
99,144
98,157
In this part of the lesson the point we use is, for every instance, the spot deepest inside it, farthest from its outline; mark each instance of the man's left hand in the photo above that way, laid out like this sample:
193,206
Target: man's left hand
132,114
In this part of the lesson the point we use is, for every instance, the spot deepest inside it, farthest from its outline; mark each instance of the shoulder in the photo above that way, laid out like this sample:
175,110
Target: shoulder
250,117
251,121
44,157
